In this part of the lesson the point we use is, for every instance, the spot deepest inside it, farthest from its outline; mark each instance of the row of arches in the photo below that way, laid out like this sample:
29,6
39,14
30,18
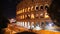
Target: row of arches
34,24
32,8
34,16
42,7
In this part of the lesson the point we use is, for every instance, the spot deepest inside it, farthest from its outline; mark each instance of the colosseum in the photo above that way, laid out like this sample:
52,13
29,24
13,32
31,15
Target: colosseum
33,12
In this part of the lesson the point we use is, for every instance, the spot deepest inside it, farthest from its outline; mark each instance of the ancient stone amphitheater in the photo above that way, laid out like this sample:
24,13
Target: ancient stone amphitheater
33,12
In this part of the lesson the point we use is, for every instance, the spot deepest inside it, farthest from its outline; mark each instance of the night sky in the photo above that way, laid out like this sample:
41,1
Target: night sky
9,8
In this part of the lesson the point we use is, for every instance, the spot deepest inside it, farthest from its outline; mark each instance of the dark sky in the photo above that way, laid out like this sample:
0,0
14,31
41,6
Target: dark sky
9,7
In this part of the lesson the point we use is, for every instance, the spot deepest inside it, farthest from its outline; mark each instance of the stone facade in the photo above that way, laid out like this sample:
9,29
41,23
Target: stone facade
33,11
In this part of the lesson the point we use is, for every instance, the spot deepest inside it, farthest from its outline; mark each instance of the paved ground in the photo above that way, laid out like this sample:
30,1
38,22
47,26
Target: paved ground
14,29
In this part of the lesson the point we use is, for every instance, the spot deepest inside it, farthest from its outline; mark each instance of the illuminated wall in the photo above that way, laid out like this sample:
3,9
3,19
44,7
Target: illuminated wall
33,11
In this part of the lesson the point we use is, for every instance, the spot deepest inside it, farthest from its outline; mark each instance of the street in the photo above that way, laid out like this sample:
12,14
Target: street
12,29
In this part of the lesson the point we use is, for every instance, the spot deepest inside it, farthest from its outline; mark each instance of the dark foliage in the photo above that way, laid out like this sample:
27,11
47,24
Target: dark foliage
54,11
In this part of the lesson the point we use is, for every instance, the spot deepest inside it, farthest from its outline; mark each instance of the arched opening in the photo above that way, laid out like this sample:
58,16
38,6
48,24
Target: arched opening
36,7
46,7
41,8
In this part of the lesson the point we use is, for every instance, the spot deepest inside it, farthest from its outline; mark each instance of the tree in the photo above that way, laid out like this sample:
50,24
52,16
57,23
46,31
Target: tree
54,12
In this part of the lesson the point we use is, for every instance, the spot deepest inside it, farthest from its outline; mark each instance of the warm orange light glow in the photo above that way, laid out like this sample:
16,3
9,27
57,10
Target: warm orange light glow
19,12
23,16
32,8
41,14
29,15
32,16
25,9
46,15
48,32
28,9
